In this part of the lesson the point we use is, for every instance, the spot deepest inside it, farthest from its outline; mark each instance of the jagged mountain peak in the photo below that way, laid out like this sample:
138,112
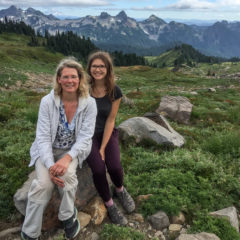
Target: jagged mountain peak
104,15
153,18
12,7
32,11
11,11
122,15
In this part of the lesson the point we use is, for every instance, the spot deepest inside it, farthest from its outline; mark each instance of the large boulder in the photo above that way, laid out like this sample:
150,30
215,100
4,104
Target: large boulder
86,191
230,214
177,108
142,128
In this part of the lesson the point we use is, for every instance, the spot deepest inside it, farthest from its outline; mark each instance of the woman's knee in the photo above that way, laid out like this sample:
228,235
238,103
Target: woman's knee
40,190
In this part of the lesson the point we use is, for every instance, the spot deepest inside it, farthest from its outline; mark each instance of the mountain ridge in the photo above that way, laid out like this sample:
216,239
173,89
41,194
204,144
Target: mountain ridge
128,33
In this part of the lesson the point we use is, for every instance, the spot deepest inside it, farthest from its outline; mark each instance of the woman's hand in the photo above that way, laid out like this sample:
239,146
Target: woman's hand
58,181
102,153
61,166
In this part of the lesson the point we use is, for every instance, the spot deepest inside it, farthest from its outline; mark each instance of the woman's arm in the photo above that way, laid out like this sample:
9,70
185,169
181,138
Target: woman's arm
43,133
109,125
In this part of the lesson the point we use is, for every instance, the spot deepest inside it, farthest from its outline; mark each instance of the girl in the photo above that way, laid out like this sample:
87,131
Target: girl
105,149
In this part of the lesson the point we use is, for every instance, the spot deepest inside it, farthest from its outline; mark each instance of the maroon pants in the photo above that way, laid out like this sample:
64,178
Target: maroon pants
112,162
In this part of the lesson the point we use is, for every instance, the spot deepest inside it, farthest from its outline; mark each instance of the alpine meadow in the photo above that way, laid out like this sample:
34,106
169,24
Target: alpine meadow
200,177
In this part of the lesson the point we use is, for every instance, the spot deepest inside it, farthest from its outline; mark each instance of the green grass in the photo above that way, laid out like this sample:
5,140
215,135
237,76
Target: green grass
113,232
17,58
218,226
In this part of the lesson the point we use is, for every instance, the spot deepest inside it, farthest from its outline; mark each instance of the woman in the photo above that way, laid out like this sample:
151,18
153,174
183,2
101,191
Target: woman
105,149
65,126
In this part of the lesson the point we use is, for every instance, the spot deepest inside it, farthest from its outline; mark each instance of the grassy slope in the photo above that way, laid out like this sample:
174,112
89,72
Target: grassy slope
166,58
200,177
17,58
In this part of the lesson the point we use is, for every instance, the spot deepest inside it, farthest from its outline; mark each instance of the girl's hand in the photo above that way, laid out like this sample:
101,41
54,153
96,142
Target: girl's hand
102,153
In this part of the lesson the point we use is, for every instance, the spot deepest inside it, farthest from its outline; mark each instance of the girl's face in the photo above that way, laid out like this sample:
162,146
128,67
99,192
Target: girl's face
69,80
98,69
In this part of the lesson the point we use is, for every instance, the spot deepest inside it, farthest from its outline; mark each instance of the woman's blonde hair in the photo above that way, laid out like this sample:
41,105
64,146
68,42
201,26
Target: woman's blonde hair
71,62
109,79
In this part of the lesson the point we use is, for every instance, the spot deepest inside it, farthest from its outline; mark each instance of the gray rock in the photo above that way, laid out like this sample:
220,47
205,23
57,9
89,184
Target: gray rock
159,220
94,236
127,101
20,197
177,108
179,219
85,192
159,235
198,236
212,90
141,128
6,232
230,214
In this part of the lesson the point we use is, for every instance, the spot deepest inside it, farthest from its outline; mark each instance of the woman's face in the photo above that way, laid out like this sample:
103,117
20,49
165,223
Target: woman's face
69,80
98,69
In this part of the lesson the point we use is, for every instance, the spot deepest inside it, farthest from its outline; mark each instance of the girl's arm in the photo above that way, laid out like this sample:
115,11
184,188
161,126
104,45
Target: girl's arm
109,126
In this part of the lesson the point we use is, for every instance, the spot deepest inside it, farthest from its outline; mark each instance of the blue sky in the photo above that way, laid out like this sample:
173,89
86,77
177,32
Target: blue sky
140,9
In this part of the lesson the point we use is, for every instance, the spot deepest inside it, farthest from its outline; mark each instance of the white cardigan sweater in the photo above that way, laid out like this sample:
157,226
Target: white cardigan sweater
47,125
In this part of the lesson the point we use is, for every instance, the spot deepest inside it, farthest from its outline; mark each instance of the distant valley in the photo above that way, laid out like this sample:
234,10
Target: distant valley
147,37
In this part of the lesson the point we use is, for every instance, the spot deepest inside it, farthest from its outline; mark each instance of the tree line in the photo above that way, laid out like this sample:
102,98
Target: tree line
67,43
189,55
7,25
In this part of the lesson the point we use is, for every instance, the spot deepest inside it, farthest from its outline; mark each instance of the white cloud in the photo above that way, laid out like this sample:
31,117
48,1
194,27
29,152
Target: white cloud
191,4
56,3
180,5
229,3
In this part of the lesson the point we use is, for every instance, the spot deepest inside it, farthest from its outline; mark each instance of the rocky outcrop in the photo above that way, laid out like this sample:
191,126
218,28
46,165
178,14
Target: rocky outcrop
142,128
177,108
86,191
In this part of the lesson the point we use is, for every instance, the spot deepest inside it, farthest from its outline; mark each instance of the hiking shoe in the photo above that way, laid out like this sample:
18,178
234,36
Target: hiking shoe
126,200
116,216
24,236
72,226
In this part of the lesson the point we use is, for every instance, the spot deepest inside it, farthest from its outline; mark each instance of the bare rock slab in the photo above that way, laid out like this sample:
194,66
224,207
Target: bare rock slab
230,214
142,128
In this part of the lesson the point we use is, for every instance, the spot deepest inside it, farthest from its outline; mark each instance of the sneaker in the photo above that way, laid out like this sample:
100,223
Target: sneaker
116,216
24,236
126,200
72,226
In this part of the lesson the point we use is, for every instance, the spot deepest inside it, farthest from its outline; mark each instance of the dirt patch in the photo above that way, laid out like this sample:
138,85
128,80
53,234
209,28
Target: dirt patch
36,82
